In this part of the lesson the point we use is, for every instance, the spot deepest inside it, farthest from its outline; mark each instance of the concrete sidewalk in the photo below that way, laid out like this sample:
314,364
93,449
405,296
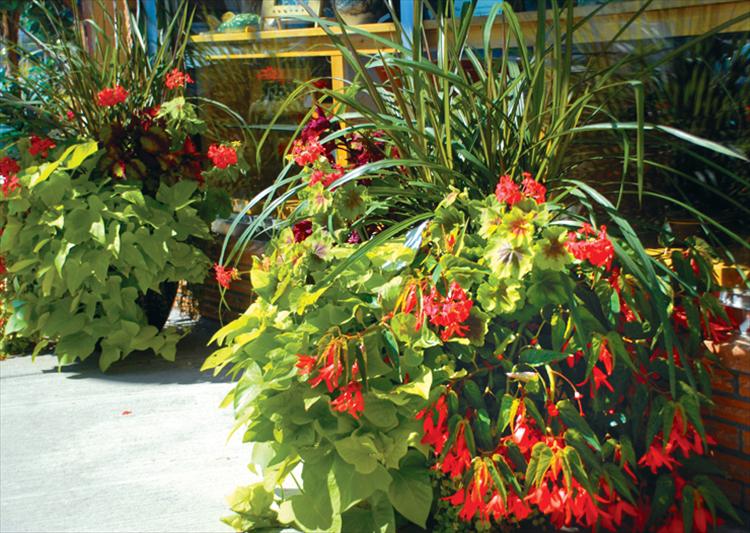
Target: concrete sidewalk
141,448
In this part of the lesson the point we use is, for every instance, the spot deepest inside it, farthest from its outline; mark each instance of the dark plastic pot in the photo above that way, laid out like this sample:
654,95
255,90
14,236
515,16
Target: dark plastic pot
158,305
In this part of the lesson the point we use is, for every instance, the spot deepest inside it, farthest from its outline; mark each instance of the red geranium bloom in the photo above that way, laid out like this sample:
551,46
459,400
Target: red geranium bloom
176,78
598,251
9,185
8,167
302,230
533,189
350,399
40,146
318,176
507,191
307,153
222,156
224,275
449,311
111,96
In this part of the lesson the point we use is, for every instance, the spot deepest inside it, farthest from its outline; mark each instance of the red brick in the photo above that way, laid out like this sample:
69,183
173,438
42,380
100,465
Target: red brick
725,434
723,381
737,468
744,385
737,411
732,489
746,442
735,354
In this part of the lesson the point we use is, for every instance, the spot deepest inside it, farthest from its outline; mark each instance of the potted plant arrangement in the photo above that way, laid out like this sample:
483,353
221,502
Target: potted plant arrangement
452,333
104,214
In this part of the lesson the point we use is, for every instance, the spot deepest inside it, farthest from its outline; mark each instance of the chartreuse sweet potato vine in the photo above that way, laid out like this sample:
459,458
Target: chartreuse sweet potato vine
82,253
504,362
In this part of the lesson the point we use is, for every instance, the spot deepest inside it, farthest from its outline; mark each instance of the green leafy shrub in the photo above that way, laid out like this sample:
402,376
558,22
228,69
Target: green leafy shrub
507,351
82,254
105,214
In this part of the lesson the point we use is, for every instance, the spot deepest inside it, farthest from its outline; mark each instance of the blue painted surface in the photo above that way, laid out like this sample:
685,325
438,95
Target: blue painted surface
407,21
152,27
483,6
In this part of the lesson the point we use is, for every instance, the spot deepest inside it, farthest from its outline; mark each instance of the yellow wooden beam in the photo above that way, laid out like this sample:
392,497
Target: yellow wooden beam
338,82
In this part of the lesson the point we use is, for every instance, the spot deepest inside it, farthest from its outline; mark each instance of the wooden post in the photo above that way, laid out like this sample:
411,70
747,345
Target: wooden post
9,26
337,84
112,17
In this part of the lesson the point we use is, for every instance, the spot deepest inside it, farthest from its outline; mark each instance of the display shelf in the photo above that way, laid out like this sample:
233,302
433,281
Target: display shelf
660,19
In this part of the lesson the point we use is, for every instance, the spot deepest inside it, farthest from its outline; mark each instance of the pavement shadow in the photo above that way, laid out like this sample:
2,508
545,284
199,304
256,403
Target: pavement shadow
145,367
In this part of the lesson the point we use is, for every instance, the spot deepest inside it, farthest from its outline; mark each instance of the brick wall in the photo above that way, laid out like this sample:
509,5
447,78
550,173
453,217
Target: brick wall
729,421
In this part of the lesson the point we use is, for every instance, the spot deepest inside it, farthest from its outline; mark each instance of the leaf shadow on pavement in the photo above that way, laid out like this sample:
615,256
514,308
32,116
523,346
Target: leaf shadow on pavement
145,367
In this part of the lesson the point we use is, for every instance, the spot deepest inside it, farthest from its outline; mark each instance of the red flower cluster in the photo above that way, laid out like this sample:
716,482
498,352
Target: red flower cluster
474,501
435,432
448,311
111,96
225,275
40,146
533,189
565,504
10,184
458,459
222,156
175,78
270,74
307,153
349,397
587,244
683,437
302,230
508,192
702,517
318,176
717,329
8,167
